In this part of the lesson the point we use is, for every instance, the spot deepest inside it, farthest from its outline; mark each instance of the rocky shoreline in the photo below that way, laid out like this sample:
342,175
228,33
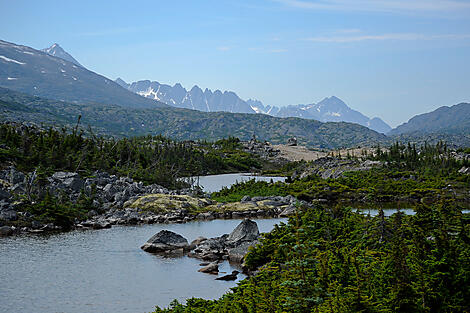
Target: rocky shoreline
120,201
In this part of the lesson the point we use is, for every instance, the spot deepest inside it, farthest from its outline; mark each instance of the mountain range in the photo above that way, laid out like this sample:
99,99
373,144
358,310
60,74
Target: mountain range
330,109
43,87
181,124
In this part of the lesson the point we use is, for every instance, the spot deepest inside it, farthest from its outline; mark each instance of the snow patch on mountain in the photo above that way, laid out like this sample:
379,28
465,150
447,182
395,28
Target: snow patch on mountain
11,60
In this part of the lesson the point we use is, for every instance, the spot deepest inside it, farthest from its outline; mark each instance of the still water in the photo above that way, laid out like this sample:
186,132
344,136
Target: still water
212,183
105,270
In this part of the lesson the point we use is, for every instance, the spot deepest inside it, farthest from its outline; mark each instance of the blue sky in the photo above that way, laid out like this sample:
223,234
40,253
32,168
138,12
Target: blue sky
386,58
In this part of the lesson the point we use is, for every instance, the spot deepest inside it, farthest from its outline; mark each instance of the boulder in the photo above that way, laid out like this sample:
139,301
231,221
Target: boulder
109,191
238,253
197,242
247,230
6,231
15,176
288,211
69,180
245,199
165,241
211,268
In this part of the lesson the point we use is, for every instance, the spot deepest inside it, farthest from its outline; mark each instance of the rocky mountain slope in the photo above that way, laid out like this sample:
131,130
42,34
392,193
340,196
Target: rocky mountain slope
37,73
330,109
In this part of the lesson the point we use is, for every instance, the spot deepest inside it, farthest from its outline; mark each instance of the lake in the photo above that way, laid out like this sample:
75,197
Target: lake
105,270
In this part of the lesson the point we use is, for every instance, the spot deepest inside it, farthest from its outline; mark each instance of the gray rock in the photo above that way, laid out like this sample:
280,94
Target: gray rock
4,195
68,180
247,230
197,242
6,231
36,225
8,216
165,241
246,199
288,211
109,191
238,253
212,268
15,177
18,188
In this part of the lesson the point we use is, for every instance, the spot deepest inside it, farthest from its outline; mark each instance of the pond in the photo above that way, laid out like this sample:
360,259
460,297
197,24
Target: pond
105,270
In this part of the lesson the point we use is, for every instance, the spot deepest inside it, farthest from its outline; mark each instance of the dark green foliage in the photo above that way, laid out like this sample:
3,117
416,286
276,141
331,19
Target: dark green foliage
336,260
150,159
252,188
59,212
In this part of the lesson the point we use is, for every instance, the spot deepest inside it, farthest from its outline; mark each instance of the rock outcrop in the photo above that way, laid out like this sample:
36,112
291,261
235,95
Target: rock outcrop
166,241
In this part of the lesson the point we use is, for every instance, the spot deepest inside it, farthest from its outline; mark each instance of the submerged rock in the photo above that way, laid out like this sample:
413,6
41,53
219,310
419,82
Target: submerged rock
165,241
232,276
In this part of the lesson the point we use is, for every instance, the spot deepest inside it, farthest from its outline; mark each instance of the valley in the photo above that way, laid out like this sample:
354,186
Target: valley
353,216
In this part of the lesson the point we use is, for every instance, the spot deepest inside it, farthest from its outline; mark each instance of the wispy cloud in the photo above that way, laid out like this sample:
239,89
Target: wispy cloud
383,37
380,5
224,48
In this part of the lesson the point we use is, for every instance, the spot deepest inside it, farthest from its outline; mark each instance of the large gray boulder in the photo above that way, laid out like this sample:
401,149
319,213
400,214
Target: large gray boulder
166,241
237,253
69,180
247,230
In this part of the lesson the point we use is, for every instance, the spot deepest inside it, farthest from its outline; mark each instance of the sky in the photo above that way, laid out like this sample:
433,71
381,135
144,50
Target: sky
387,58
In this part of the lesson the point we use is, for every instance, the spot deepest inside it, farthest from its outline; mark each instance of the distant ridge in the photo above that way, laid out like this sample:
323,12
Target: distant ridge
330,109
447,120
182,124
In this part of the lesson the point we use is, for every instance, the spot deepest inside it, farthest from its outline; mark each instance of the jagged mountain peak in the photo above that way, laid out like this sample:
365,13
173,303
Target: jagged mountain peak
330,109
57,51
